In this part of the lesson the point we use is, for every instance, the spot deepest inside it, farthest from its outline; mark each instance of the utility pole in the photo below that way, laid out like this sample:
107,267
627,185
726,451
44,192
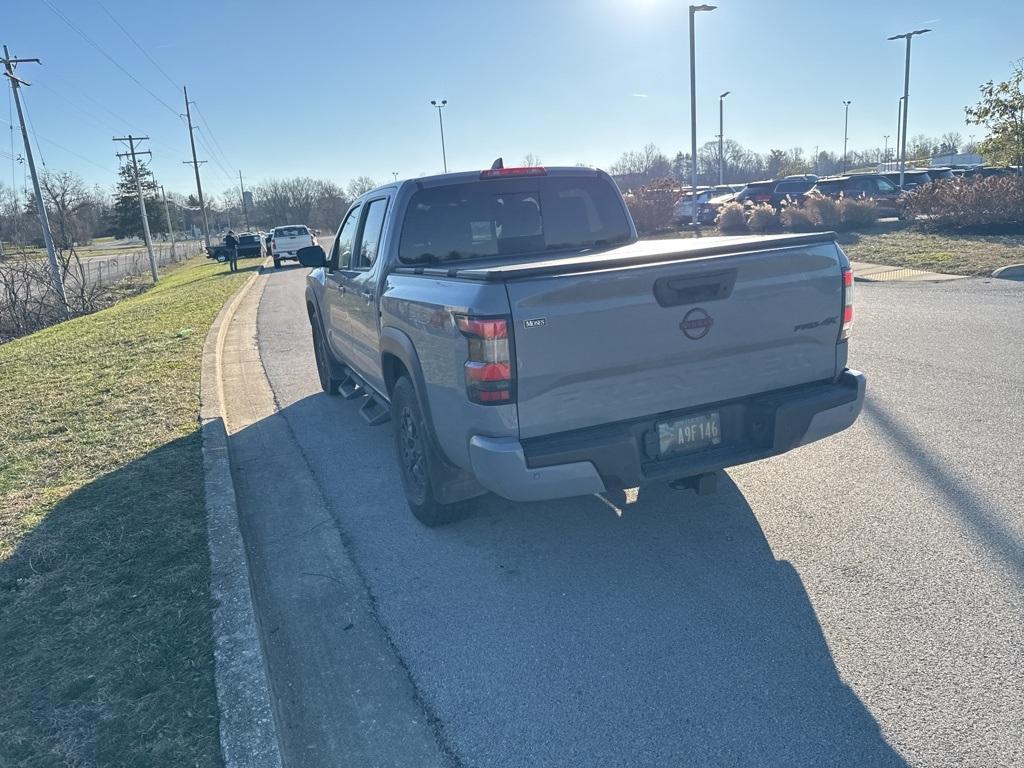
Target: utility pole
245,208
846,126
906,99
170,226
721,138
693,110
195,164
885,154
439,105
142,200
44,222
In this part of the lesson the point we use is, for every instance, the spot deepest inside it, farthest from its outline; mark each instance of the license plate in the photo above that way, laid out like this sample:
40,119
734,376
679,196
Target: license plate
689,433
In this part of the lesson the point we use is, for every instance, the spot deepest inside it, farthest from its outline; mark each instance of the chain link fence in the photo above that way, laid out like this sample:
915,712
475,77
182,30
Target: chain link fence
99,271
29,302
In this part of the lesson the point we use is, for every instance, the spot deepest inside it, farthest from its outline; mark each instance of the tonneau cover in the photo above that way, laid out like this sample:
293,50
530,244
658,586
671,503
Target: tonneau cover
639,252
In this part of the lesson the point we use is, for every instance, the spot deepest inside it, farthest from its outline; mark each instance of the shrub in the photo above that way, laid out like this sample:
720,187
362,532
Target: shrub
857,212
993,205
823,212
796,219
651,205
731,219
763,218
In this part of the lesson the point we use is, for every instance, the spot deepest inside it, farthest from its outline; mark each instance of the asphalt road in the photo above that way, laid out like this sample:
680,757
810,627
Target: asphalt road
857,602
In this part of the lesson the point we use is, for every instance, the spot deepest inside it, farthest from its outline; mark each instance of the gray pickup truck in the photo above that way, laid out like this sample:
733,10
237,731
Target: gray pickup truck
522,340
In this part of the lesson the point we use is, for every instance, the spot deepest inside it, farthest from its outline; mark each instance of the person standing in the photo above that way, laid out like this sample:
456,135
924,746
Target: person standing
231,242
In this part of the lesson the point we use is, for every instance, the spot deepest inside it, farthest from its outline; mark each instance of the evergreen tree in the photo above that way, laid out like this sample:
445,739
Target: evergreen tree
127,217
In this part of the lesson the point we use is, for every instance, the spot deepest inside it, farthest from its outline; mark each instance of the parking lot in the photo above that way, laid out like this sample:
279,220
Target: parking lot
855,602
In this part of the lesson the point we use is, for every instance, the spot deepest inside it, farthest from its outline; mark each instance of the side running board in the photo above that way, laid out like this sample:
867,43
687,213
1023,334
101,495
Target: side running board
375,412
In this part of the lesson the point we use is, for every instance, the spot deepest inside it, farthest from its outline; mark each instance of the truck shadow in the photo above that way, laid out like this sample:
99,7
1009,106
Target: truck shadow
657,628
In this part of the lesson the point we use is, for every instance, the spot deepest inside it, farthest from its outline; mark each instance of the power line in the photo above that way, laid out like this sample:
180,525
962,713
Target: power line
209,130
24,104
60,147
101,122
107,56
220,166
137,45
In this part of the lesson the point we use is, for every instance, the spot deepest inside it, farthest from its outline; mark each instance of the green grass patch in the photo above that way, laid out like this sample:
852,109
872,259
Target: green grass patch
105,613
951,254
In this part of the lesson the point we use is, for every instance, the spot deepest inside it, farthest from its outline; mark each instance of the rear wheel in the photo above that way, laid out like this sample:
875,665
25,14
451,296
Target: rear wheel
324,361
417,458
277,263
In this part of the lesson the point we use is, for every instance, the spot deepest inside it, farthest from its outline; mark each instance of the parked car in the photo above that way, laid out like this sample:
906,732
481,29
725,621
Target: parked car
707,212
873,185
523,341
912,178
682,211
288,241
940,174
250,244
775,191
756,192
791,188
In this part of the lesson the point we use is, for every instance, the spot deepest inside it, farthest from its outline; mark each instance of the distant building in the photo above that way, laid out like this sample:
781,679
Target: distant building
962,158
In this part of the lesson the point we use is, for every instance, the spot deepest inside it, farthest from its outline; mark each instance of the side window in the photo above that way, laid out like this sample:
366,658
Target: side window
373,227
341,254
884,185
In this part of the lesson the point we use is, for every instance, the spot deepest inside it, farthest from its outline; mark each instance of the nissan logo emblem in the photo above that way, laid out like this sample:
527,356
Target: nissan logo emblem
696,324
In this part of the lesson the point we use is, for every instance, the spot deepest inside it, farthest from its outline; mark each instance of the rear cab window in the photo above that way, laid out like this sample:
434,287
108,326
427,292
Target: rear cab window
290,231
512,216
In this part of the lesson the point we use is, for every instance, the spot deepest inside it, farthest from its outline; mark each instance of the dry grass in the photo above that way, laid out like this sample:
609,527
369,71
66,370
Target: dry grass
105,641
951,254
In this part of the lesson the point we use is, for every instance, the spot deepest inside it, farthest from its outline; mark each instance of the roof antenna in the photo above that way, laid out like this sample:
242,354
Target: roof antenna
497,165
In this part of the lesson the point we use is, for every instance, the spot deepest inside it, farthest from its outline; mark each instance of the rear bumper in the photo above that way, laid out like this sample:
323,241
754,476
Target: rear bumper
624,455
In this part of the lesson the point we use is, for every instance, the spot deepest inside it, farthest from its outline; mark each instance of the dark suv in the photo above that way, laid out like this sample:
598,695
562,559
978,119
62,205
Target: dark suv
872,185
912,179
776,191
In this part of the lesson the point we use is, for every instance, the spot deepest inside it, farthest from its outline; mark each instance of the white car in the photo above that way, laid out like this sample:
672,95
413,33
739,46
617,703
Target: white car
288,240
684,208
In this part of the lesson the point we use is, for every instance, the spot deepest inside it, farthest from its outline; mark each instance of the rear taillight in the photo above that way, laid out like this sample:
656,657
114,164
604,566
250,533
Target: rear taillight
490,375
844,332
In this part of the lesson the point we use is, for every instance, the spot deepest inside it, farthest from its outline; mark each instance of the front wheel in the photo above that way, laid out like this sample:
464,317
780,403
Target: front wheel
417,458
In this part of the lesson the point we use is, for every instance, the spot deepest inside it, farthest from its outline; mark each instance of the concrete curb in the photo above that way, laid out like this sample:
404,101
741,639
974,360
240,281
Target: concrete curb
248,731
1010,272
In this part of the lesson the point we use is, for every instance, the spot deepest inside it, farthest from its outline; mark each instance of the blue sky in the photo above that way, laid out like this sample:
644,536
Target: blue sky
337,89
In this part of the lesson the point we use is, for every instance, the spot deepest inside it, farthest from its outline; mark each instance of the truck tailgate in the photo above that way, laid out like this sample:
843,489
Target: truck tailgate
615,344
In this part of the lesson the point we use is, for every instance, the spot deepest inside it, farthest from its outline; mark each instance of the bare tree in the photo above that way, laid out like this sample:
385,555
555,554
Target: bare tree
360,185
531,160
67,200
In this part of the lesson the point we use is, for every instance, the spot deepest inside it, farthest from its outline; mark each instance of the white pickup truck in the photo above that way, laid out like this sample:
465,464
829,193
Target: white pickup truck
288,240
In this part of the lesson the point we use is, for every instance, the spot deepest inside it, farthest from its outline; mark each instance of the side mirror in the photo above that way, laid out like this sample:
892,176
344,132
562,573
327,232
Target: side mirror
312,256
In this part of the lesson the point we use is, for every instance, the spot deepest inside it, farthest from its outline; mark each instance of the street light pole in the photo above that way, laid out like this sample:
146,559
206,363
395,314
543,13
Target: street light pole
906,98
439,105
846,129
693,109
721,138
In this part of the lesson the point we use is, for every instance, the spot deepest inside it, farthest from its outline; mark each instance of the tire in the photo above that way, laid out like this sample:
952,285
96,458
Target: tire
325,367
417,458
277,263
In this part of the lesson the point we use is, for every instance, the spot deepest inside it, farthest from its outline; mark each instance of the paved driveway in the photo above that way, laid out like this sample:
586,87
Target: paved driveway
857,602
